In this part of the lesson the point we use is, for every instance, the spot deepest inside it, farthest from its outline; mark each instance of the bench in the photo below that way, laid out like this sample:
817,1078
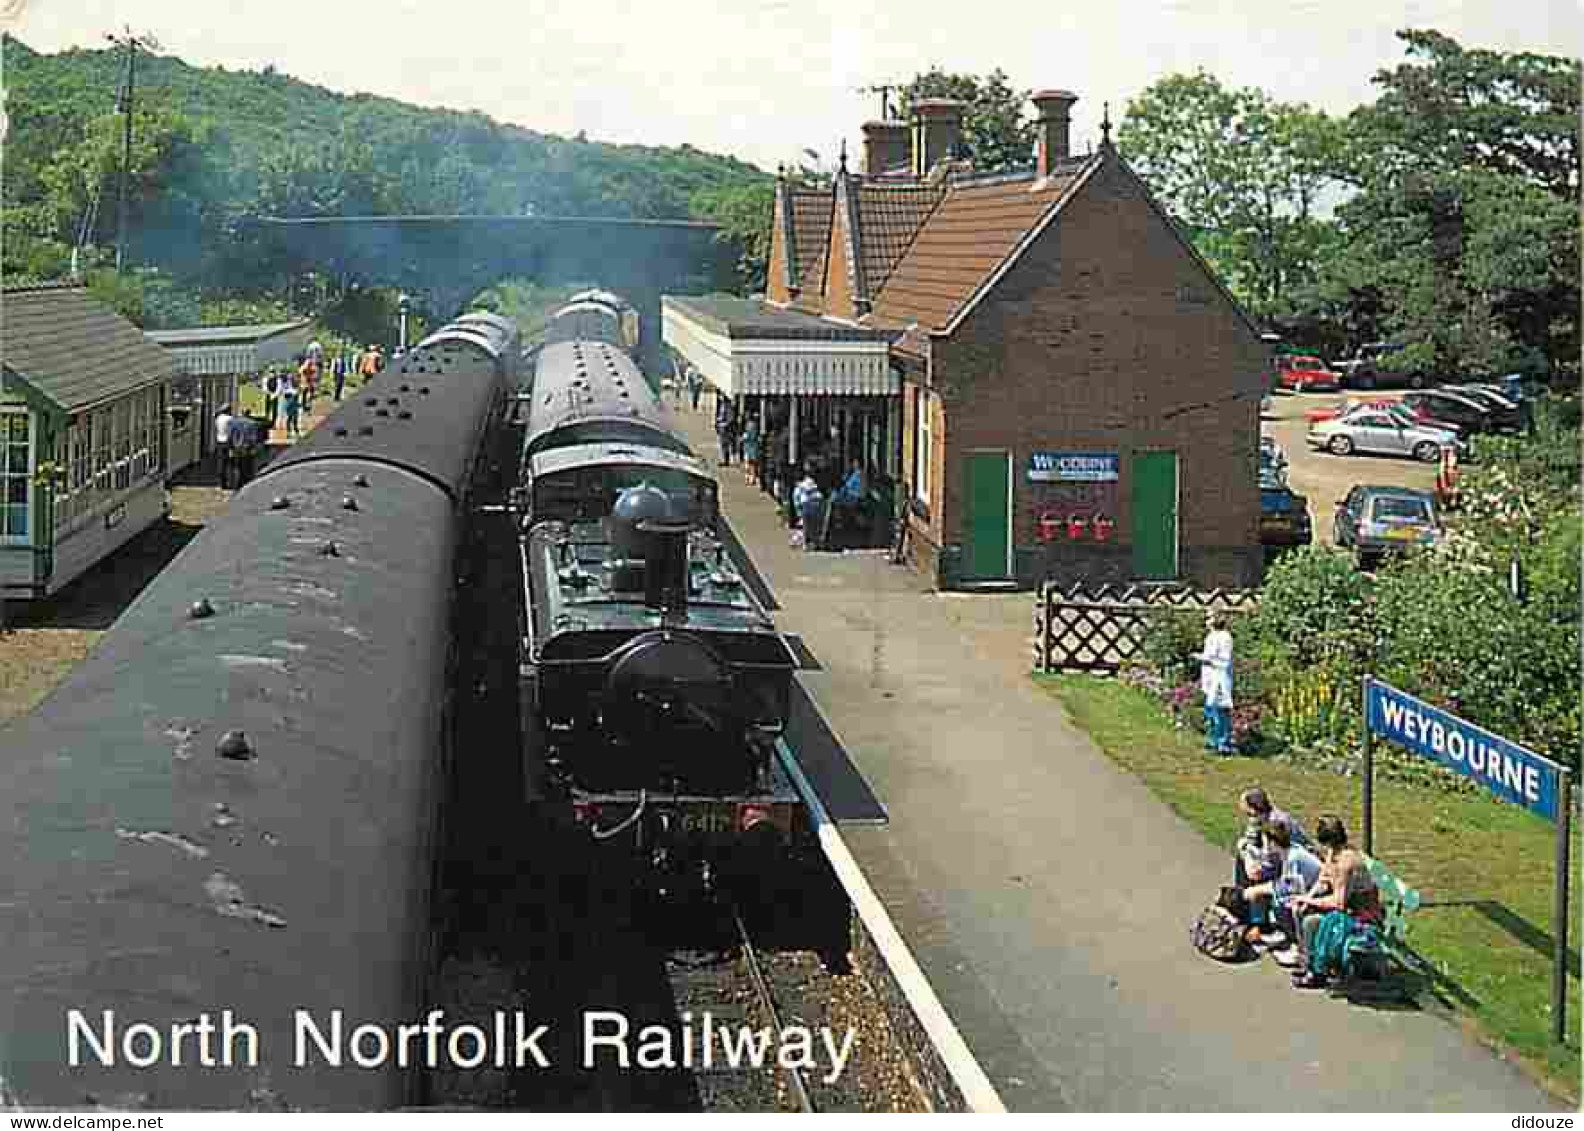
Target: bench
1372,979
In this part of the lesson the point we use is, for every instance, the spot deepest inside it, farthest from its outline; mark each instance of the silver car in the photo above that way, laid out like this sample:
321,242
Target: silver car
1381,432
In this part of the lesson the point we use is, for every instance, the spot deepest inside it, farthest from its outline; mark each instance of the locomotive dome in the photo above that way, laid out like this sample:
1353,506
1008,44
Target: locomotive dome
635,506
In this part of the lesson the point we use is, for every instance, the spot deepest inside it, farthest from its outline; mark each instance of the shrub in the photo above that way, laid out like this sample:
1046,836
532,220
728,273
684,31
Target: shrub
1170,641
1314,607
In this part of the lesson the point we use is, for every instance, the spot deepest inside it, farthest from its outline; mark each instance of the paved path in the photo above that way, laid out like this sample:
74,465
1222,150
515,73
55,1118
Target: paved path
1047,893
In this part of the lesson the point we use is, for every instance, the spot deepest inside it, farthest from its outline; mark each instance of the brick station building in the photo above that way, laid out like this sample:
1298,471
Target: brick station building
1077,393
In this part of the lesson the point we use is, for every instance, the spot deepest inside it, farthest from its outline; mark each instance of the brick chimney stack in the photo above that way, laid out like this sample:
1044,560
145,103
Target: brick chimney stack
885,147
937,124
1055,121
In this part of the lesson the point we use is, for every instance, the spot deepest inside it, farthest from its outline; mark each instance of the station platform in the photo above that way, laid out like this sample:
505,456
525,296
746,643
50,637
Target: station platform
1046,893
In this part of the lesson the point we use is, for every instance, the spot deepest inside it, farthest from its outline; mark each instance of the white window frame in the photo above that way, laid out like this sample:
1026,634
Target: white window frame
923,445
32,469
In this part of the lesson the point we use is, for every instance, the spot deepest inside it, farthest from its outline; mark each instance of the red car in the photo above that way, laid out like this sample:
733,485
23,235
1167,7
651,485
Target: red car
1303,373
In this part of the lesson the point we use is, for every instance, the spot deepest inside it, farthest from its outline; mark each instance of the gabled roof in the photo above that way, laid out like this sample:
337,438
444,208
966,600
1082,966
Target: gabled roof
979,227
74,351
217,335
810,213
889,217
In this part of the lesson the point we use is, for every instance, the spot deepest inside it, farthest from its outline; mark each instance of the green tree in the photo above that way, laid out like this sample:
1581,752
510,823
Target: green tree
996,131
1243,174
745,213
1464,232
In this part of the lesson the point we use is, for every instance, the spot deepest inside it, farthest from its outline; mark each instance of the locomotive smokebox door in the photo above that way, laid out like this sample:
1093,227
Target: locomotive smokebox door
669,697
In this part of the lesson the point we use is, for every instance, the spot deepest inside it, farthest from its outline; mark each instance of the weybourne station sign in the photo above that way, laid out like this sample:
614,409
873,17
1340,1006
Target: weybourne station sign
1512,772
1505,768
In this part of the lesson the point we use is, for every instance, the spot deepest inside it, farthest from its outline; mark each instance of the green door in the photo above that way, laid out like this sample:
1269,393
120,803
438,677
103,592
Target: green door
1155,515
989,520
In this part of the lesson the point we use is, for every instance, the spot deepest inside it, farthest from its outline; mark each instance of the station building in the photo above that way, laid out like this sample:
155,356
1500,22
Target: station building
1073,393
83,398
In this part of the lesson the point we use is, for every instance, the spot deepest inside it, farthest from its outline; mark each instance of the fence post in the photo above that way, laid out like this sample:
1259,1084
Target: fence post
1369,769
1559,927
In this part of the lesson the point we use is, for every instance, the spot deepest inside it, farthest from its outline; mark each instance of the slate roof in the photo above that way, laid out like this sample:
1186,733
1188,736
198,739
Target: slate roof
212,335
74,350
750,318
977,226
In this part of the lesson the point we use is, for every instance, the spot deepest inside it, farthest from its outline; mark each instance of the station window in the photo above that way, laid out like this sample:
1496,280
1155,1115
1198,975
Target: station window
922,445
16,478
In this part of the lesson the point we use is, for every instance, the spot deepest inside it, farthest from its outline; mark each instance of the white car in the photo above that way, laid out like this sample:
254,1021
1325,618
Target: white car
1382,433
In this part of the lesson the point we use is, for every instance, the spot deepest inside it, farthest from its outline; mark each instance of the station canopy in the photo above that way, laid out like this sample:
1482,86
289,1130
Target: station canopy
748,347
224,350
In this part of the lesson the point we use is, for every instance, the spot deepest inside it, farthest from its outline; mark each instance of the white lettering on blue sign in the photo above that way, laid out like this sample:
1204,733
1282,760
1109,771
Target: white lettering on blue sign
1508,770
1074,467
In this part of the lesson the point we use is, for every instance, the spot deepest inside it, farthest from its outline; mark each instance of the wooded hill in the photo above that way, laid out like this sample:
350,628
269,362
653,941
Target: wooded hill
213,145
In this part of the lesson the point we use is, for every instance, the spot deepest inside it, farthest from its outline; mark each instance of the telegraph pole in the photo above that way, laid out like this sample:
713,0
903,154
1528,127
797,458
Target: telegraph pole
130,44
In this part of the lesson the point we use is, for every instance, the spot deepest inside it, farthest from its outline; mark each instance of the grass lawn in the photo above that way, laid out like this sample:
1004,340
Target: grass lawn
1485,869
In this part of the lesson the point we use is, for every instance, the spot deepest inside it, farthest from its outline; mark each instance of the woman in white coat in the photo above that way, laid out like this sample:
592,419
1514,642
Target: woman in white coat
1215,680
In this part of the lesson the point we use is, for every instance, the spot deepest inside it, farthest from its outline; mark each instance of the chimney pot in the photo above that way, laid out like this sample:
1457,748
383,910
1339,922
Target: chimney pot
1055,123
885,147
937,124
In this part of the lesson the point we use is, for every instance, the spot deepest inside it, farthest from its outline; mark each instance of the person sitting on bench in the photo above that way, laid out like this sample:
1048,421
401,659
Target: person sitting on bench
1344,885
1299,871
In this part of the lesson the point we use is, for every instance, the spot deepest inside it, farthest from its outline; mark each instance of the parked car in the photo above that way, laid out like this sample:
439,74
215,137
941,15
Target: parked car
1343,407
1505,416
1284,514
1304,373
1452,407
1382,432
1375,521
1393,408
1378,364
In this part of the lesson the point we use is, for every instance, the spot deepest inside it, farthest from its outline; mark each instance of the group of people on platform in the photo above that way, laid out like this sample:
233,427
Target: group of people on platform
289,394
805,489
1305,898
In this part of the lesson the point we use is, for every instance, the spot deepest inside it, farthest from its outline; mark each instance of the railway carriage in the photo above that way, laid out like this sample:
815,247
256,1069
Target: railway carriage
233,802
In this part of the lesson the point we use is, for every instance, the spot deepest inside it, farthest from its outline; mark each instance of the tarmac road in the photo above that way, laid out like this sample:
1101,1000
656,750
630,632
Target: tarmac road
1324,479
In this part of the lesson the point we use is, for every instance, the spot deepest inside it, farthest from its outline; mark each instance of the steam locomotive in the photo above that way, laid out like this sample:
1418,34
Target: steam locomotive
654,682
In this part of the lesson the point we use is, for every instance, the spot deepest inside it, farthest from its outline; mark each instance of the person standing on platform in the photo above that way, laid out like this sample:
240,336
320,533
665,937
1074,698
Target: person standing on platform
338,370
750,451
1215,680
222,445
308,381
695,387
291,405
271,396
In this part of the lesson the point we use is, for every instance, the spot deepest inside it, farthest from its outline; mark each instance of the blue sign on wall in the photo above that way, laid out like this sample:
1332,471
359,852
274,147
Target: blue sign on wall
1074,467
1505,768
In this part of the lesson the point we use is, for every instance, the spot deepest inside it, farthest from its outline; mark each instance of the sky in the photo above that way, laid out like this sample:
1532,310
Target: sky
764,80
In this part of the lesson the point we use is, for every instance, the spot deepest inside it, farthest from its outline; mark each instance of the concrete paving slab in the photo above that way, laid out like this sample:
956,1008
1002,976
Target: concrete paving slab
1047,893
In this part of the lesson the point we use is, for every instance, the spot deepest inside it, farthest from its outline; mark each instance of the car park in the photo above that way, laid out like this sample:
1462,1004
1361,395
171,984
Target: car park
1304,373
1376,521
1381,432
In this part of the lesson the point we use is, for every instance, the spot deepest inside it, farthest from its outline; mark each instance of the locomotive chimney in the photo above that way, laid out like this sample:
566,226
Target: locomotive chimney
666,565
